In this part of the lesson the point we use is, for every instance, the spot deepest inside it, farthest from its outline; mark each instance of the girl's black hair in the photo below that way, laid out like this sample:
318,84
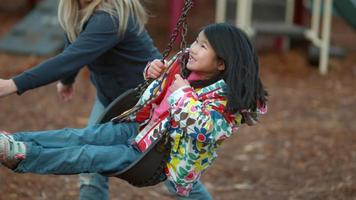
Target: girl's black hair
244,87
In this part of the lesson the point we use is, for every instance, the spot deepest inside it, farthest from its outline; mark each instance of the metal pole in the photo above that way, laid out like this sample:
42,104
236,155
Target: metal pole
325,37
220,10
315,18
241,7
244,15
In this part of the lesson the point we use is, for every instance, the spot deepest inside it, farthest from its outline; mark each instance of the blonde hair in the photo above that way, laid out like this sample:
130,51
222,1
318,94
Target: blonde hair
72,18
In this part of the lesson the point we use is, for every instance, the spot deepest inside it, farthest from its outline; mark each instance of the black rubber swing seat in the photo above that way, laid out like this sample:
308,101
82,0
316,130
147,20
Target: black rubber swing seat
121,104
148,169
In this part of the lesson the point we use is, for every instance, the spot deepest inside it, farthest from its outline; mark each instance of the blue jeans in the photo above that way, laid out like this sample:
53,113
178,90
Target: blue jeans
94,186
198,192
100,148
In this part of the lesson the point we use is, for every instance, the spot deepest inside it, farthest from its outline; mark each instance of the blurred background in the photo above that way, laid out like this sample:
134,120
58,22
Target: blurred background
304,148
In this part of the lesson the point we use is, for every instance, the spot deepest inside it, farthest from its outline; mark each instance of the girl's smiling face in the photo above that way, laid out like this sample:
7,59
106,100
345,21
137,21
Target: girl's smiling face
202,58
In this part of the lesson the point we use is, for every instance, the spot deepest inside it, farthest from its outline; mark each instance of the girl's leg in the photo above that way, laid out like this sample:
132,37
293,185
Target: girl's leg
94,186
76,159
100,134
199,192
96,111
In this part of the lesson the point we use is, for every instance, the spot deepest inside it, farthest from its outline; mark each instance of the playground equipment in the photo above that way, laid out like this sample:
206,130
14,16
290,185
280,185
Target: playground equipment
321,14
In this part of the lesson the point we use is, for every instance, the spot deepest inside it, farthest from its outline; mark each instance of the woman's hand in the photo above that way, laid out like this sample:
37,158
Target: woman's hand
178,83
155,69
65,92
7,87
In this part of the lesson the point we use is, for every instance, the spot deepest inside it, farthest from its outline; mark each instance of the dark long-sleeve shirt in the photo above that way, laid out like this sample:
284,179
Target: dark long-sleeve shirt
115,62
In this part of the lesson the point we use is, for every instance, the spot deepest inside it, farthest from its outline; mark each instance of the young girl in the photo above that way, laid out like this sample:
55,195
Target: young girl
109,37
221,92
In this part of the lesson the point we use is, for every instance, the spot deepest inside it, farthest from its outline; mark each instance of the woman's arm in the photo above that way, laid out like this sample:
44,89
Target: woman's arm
99,35
70,79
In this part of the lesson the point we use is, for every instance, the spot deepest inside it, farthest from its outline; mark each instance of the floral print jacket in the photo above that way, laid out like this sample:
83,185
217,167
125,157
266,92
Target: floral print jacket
196,122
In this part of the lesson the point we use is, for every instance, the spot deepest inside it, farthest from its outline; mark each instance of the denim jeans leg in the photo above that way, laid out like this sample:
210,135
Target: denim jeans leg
100,155
199,192
97,110
94,186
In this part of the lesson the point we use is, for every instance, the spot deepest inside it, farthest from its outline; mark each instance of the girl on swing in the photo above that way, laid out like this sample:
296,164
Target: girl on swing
220,90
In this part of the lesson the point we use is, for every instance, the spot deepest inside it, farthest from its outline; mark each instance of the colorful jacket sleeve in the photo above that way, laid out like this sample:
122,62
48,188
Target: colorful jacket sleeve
250,117
201,120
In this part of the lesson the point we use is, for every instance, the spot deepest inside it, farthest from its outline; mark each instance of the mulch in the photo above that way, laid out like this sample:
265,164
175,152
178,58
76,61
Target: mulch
304,148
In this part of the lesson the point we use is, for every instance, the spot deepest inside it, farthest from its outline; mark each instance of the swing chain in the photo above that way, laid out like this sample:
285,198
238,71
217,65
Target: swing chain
184,32
181,27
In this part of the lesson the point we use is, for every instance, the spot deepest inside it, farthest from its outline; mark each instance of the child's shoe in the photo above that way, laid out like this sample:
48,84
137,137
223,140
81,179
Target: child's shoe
11,151
7,134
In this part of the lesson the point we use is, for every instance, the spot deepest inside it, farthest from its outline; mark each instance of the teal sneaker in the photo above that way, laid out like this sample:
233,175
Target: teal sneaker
11,151
7,134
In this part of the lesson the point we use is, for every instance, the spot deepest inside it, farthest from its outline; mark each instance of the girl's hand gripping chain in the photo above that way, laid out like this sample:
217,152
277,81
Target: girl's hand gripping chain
155,69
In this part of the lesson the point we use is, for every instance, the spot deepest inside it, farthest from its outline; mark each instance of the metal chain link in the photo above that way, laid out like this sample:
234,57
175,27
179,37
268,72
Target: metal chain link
183,43
181,28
